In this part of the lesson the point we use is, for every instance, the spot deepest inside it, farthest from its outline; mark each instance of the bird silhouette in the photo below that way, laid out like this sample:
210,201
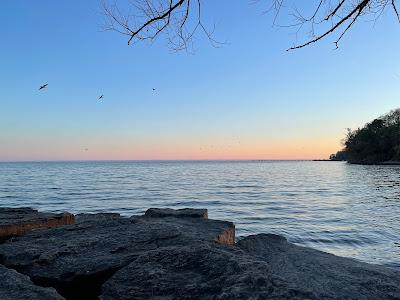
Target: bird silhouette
101,97
154,89
43,86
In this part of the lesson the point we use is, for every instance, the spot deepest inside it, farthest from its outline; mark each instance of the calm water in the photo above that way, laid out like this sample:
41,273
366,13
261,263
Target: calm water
344,209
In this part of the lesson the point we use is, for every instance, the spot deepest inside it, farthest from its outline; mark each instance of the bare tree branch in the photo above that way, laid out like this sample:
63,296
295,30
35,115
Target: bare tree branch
180,20
356,11
395,10
340,14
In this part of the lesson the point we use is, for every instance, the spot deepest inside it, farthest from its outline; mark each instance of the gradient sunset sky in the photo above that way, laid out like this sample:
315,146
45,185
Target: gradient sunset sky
249,99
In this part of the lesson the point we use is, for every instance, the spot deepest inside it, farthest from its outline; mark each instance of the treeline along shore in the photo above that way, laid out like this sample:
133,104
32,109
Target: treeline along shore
169,254
378,142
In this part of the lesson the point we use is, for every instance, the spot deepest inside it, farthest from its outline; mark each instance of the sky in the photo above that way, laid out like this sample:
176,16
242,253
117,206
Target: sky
248,99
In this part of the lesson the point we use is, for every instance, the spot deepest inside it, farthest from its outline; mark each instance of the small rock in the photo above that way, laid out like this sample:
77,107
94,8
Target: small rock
178,213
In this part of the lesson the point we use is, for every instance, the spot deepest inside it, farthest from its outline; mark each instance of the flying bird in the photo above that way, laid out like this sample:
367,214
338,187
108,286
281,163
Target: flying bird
101,97
154,89
43,86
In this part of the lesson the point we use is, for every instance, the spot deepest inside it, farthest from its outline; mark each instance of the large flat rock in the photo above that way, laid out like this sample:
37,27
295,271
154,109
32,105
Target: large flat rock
263,266
204,271
15,286
327,275
181,254
19,221
79,258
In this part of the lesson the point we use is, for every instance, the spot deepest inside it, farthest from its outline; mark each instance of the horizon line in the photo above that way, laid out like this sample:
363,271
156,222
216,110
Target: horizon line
155,160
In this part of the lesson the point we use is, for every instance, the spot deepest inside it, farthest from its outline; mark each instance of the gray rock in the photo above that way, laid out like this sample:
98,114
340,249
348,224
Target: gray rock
168,254
263,266
226,237
327,275
19,221
203,271
15,286
77,259
100,217
181,213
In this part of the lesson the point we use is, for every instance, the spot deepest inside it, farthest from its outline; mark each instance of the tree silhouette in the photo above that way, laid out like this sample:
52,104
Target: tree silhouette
180,20
377,141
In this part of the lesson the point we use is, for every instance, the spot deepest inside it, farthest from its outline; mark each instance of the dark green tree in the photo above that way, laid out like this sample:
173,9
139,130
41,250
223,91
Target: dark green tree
378,141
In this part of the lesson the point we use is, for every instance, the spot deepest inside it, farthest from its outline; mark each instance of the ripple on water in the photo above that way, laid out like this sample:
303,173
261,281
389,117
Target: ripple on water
343,209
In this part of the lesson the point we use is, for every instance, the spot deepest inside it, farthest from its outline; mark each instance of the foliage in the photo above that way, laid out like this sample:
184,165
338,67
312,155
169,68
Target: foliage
377,141
339,156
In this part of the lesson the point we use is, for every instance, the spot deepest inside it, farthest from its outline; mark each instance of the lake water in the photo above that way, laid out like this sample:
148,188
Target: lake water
347,210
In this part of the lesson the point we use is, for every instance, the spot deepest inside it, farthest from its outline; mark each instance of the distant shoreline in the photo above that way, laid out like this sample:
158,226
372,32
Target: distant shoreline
327,160
162,160
385,163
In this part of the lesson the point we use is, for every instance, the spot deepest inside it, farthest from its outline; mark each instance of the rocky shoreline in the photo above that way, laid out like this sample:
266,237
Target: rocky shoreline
169,254
384,163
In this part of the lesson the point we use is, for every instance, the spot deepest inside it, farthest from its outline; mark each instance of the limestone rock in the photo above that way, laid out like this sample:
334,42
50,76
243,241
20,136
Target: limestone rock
15,286
79,258
19,221
226,237
205,271
81,218
179,213
168,254
264,266
327,275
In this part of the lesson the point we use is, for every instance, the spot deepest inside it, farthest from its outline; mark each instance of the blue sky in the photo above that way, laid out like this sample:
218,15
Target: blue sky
247,99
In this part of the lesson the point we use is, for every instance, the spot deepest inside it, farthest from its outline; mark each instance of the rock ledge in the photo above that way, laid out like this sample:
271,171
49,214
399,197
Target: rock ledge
19,221
176,254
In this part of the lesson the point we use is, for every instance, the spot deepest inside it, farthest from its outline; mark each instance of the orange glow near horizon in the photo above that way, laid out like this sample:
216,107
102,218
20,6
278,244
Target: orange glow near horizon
174,150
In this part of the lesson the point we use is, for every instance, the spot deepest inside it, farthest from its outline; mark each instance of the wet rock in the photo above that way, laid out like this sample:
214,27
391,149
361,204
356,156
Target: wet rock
327,275
77,259
204,271
15,286
179,213
19,221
